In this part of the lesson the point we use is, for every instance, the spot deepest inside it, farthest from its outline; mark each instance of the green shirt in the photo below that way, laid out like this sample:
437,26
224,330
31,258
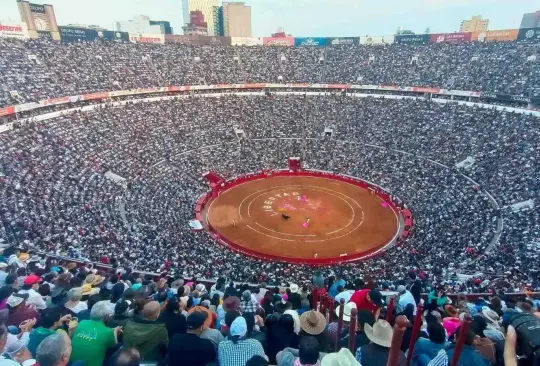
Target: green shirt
90,342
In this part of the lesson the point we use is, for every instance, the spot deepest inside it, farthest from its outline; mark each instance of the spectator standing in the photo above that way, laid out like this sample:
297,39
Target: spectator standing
51,321
19,311
405,298
426,349
367,299
294,297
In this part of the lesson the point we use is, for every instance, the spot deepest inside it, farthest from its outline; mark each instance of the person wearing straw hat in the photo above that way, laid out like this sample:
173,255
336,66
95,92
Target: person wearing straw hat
313,324
342,358
376,353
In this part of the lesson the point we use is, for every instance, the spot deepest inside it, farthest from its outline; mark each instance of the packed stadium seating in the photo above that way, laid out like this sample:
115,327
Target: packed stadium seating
59,199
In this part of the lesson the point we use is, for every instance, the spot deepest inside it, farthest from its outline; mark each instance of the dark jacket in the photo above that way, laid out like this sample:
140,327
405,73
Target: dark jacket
375,355
175,323
295,300
425,351
149,337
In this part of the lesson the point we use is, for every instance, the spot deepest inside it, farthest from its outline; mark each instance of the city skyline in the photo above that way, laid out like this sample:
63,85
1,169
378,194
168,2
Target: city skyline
325,18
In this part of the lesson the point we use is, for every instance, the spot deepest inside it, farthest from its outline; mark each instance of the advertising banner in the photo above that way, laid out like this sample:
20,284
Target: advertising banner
529,35
495,35
374,40
505,97
450,37
420,89
70,34
6,111
37,8
19,31
411,38
102,95
54,101
278,41
146,38
246,41
310,41
342,40
113,36
215,41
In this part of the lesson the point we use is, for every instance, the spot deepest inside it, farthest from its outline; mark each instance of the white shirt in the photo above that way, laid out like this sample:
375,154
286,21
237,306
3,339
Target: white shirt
405,299
34,298
346,295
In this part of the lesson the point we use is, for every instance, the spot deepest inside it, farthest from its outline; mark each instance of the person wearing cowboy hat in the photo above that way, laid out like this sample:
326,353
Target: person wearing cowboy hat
294,297
313,324
363,317
342,358
376,353
333,327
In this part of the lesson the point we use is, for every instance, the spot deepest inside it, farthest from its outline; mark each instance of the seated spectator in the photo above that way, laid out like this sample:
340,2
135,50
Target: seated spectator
126,357
237,349
54,350
92,338
248,304
493,329
343,357
19,355
281,336
19,311
74,303
332,328
51,321
469,354
405,298
173,319
188,348
313,324
31,287
483,344
451,322
363,317
147,334
306,354
376,353
121,315
426,349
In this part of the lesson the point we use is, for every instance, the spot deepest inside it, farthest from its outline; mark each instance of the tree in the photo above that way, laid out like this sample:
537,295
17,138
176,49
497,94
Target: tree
427,31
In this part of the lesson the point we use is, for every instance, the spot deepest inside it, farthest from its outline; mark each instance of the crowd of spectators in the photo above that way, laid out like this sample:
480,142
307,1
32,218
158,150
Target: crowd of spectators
58,313
39,69
56,197
59,198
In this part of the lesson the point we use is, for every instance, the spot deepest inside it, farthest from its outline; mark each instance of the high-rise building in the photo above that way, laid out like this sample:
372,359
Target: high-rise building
143,25
530,20
196,25
218,21
236,19
475,24
207,9
164,25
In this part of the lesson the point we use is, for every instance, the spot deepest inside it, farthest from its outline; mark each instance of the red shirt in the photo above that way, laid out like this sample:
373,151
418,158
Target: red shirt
360,299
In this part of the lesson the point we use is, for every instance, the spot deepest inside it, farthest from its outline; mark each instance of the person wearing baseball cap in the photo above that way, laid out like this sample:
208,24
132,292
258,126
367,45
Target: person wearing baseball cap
189,348
367,299
19,310
30,287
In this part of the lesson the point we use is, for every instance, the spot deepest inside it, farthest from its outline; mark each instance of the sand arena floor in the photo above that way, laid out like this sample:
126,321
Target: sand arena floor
329,219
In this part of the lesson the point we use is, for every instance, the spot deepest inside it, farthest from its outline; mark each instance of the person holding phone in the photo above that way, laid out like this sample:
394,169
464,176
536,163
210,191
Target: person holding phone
51,322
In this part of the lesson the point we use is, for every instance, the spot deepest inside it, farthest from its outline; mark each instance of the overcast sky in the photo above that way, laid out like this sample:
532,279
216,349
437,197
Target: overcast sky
304,17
